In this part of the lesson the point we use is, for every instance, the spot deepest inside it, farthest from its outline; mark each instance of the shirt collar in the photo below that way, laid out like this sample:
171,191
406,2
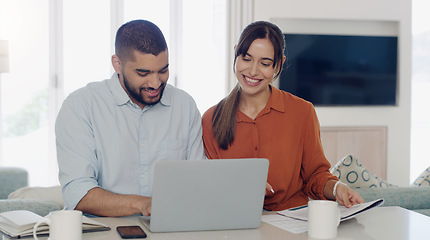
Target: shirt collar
120,95
166,99
122,98
275,102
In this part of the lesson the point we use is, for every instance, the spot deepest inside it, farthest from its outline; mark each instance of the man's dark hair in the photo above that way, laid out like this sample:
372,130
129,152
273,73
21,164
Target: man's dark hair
140,35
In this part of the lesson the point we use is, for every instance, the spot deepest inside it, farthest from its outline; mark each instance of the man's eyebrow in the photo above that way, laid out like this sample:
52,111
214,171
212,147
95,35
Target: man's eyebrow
148,71
165,67
247,54
142,70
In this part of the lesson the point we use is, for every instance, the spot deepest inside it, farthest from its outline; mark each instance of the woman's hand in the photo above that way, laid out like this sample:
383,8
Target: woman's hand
347,197
269,190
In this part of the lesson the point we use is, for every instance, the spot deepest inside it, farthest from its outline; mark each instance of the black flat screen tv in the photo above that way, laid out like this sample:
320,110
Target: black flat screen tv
341,70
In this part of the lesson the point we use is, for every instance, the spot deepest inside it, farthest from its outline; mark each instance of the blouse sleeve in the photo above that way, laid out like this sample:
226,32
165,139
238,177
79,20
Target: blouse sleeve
315,167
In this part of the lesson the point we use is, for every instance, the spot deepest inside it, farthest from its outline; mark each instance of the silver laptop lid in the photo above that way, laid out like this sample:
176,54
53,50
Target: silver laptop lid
196,195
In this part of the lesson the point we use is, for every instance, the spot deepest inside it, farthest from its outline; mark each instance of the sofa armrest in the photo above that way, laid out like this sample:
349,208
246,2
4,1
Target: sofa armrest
12,178
37,206
407,197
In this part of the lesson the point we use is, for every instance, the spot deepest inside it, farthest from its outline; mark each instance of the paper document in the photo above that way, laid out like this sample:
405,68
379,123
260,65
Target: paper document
286,223
295,219
301,213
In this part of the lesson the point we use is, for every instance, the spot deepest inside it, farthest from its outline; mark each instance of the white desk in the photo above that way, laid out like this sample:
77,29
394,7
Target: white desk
379,223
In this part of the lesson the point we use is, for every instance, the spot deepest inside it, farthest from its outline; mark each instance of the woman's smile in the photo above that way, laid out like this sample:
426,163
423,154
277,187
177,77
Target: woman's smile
251,81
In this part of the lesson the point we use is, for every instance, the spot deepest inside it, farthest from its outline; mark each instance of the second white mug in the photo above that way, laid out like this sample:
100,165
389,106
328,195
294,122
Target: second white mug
63,225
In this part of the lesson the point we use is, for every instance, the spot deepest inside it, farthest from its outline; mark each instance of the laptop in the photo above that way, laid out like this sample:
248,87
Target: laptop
199,195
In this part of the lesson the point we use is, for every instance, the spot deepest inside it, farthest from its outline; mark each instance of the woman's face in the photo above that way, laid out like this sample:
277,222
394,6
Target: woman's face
255,71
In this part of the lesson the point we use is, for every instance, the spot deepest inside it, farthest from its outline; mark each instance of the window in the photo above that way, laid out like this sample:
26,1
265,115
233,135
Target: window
24,90
420,116
86,56
204,50
53,50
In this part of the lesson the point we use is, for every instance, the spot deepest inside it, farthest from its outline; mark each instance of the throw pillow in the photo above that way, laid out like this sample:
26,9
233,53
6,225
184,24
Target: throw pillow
423,179
350,171
42,193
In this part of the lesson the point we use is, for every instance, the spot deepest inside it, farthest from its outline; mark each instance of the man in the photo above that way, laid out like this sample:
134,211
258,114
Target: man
110,133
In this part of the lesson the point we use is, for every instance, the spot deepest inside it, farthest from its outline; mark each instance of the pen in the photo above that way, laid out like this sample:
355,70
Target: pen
297,208
269,187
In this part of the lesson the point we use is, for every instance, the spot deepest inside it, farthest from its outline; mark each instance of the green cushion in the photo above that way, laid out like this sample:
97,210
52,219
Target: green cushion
412,198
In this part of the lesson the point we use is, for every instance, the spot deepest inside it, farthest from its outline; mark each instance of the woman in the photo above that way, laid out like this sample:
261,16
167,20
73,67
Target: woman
261,121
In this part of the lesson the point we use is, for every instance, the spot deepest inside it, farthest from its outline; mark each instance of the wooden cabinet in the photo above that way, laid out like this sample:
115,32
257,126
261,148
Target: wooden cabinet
368,144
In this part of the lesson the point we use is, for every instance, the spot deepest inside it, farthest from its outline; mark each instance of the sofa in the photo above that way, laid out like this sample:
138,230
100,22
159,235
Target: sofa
16,195
415,197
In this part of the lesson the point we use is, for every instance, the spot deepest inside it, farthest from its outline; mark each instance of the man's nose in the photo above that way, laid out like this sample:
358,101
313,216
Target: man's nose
154,81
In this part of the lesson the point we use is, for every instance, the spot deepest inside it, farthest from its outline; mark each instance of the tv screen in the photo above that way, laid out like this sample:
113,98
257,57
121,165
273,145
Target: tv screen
339,70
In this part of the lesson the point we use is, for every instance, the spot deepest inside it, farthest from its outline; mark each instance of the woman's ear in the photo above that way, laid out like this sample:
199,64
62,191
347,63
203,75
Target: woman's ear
116,63
281,63
278,68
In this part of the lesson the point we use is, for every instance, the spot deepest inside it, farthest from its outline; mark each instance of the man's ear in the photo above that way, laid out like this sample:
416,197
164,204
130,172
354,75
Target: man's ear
116,63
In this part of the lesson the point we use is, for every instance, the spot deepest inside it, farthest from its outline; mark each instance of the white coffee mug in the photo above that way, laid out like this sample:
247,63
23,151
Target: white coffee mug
63,225
323,219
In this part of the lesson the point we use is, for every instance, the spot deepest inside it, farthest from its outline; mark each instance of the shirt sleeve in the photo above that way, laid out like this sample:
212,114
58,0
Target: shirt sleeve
76,154
195,141
315,167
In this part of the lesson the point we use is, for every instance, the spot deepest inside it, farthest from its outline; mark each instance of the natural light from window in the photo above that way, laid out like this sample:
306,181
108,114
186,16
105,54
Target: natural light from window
24,94
29,98
420,115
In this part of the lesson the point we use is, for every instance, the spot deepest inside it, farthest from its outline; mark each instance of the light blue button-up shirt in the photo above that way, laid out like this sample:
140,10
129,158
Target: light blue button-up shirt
105,140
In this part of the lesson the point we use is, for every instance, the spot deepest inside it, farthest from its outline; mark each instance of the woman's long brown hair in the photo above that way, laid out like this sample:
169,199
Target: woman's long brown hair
224,118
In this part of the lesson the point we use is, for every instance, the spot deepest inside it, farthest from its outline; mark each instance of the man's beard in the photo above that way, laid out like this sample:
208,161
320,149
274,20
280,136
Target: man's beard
137,93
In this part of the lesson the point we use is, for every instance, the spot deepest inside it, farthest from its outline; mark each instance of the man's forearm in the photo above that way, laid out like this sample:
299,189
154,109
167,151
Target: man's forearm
104,203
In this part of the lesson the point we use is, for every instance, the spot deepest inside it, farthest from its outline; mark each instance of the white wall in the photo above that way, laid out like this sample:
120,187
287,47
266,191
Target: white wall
396,118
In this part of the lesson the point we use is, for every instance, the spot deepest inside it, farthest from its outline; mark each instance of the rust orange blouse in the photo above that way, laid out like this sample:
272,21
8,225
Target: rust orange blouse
286,132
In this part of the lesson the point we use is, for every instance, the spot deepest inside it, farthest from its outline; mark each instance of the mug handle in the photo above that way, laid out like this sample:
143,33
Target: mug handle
47,221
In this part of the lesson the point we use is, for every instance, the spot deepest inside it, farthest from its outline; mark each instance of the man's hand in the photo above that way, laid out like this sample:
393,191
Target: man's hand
144,205
104,203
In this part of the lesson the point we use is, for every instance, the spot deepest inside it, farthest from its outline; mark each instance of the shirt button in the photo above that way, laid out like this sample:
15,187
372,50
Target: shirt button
143,176
256,148
143,145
